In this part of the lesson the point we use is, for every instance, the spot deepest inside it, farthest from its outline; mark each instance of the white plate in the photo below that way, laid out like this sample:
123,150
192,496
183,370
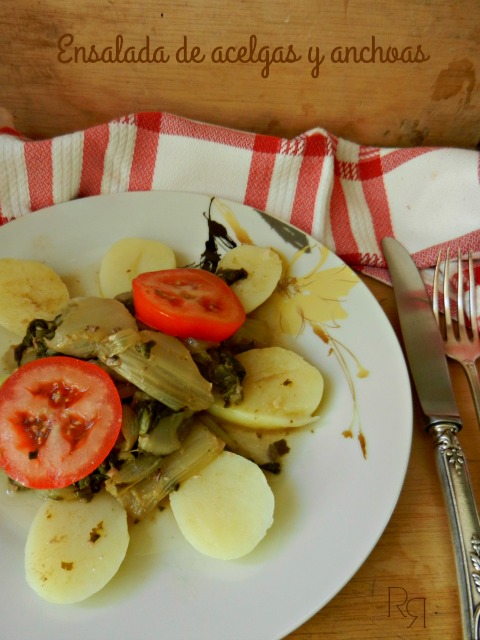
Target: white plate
332,503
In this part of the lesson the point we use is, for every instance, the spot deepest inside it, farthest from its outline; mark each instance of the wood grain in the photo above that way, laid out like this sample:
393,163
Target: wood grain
435,102
407,587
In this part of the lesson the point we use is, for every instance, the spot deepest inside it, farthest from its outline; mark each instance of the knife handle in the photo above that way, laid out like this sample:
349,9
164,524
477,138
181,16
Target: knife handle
464,522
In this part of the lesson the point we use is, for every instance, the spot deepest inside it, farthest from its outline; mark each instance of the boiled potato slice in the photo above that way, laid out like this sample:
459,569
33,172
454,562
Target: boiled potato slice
29,290
264,268
129,257
280,389
74,548
226,509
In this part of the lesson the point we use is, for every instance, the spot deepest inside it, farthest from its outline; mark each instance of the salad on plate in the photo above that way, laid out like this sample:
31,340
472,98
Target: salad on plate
167,391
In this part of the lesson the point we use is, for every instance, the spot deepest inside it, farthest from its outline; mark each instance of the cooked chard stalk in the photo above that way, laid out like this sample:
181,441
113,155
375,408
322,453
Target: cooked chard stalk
199,448
66,493
132,471
130,431
264,447
87,321
159,365
164,437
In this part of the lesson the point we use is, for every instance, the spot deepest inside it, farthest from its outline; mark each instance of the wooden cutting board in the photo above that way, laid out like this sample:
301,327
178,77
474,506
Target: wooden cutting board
384,73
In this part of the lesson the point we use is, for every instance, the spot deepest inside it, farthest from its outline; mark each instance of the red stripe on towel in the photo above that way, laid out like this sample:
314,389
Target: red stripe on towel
95,142
375,193
343,237
262,164
38,160
145,152
303,210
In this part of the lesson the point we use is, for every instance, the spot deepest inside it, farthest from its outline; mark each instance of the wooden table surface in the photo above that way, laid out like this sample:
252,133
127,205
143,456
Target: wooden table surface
429,96
51,84
407,587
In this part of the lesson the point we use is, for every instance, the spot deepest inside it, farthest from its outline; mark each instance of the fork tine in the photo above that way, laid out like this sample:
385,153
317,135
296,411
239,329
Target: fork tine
446,297
472,294
435,305
462,348
462,330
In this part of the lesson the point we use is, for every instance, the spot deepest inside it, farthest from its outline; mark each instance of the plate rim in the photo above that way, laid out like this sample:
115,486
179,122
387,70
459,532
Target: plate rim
73,204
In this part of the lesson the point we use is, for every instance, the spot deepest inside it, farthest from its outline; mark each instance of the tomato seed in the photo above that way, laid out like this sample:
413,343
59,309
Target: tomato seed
36,427
58,393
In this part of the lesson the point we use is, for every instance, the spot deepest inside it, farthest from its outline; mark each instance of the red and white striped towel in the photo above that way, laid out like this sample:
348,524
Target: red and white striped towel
346,195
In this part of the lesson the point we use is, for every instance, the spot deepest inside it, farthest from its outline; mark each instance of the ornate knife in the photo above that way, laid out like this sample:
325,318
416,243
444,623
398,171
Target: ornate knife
428,365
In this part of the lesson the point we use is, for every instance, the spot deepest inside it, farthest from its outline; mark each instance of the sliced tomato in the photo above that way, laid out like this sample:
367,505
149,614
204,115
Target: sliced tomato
187,303
59,419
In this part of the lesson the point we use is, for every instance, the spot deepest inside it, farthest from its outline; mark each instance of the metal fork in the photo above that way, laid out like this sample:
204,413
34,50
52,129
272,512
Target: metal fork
462,345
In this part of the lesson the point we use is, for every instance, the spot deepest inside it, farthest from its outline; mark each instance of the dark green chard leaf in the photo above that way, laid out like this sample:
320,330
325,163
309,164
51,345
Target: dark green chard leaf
230,276
38,331
217,235
224,371
87,487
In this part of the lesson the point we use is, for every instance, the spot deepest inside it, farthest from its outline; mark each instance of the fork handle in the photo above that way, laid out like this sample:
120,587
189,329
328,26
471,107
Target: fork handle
472,376
464,522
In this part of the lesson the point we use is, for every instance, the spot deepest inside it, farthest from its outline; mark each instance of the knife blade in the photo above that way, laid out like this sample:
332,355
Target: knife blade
429,368
422,339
